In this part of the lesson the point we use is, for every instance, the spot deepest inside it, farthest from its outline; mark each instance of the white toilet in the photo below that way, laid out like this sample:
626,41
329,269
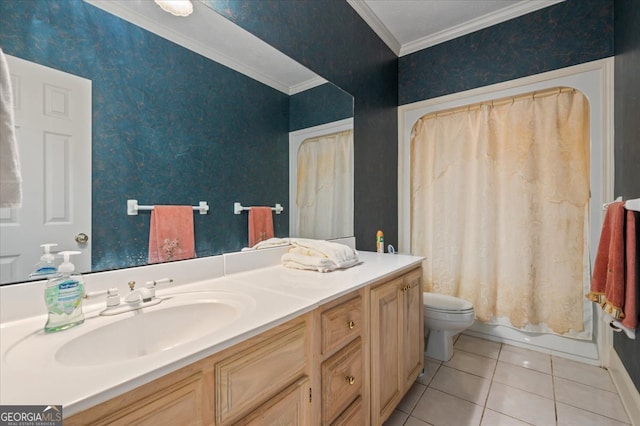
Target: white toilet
444,317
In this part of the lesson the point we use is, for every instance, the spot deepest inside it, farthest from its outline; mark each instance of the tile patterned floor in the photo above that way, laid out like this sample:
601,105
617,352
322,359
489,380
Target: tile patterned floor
492,384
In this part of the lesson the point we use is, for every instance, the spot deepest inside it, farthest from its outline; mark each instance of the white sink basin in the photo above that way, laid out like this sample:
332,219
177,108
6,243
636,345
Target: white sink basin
178,320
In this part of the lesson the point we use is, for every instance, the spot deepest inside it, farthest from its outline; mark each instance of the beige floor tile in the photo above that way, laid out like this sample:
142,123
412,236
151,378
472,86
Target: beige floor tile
526,358
521,405
478,346
397,418
411,398
589,398
441,409
412,421
572,416
472,363
524,379
430,369
582,373
463,385
493,418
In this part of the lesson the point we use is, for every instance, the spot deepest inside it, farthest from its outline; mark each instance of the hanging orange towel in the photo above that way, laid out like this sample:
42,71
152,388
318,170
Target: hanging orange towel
171,234
630,308
608,281
260,225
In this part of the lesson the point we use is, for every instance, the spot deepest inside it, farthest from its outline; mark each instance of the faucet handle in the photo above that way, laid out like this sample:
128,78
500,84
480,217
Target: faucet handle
113,298
132,285
154,283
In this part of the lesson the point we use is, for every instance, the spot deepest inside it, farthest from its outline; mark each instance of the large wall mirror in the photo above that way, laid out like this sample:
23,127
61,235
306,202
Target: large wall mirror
176,117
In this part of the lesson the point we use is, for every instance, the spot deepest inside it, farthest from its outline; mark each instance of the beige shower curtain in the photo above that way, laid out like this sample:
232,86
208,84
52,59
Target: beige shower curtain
325,186
499,208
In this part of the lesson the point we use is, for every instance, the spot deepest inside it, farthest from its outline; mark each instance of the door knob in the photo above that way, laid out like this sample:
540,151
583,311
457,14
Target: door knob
82,238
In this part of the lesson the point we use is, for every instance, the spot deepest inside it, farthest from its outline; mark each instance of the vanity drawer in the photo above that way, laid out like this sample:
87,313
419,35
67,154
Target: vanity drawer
354,415
341,324
254,375
342,378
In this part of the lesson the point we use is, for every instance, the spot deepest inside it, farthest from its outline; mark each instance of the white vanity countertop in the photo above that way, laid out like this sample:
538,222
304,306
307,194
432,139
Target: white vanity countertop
31,375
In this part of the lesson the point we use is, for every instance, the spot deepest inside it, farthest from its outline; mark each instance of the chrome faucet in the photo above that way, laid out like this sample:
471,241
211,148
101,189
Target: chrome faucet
137,298
141,295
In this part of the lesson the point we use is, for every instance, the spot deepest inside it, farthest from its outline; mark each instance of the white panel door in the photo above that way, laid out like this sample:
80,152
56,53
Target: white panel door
53,131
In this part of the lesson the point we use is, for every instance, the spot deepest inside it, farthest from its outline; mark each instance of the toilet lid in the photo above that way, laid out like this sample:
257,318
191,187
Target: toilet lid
444,302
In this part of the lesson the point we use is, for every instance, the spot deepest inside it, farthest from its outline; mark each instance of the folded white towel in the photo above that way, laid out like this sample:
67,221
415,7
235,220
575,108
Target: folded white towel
318,255
342,255
269,243
314,263
10,177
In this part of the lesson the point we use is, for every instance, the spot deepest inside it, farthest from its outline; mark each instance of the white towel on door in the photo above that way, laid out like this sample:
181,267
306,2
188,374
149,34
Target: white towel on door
10,177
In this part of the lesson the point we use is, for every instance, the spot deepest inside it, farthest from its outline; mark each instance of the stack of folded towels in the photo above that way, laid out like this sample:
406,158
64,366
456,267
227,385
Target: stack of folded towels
319,255
270,243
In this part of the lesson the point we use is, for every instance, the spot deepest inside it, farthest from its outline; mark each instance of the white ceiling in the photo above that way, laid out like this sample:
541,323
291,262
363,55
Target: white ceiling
405,26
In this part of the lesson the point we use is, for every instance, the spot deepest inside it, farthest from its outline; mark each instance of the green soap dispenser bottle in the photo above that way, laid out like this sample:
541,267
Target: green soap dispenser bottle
63,297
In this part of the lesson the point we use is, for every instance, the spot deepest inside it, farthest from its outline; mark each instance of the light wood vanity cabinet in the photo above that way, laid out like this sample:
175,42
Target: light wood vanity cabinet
397,342
348,362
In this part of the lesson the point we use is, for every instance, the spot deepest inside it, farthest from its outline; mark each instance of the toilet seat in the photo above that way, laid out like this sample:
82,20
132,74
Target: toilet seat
446,304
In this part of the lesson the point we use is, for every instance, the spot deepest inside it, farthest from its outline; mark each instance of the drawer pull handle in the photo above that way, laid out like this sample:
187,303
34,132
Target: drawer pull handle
351,380
351,325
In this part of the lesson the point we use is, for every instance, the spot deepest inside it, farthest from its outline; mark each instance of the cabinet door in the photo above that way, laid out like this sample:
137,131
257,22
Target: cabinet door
248,378
386,341
179,403
291,407
413,326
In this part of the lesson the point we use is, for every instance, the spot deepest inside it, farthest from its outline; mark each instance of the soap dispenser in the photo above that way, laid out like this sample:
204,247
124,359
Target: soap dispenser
63,296
45,267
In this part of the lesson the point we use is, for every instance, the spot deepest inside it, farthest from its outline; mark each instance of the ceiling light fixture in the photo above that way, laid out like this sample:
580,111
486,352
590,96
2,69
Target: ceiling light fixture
176,7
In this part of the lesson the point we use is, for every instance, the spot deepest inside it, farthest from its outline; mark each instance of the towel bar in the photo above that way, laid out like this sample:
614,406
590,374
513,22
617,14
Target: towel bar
133,207
238,208
633,204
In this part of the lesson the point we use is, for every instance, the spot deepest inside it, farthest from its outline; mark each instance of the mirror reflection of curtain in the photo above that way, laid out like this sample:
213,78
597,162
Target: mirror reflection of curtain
325,186
499,208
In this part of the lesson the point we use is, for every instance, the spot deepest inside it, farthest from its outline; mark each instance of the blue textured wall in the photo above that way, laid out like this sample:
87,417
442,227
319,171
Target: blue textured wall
331,39
569,33
627,144
322,104
169,126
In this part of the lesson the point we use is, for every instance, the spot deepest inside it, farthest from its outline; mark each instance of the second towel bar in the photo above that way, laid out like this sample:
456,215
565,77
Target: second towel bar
238,208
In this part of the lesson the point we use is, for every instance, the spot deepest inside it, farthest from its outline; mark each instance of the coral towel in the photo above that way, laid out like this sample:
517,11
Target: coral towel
260,225
613,285
630,321
171,234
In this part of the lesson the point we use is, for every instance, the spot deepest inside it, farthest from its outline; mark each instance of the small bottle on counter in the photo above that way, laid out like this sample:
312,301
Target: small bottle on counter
380,241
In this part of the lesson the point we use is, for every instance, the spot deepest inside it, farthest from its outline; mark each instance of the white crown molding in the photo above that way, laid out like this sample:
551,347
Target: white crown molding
146,23
518,9
376,24
306,85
